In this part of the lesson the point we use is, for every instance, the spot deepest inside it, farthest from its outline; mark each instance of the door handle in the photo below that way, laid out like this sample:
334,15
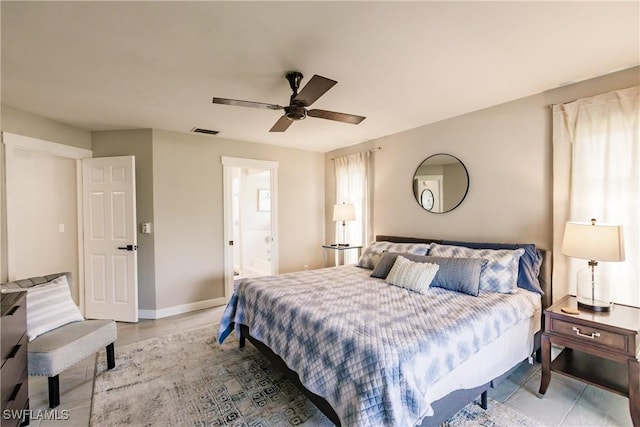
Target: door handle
129,247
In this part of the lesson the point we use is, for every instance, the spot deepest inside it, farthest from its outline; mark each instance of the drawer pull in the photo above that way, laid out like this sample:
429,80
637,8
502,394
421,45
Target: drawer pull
13,310
14,351
16,390
592,336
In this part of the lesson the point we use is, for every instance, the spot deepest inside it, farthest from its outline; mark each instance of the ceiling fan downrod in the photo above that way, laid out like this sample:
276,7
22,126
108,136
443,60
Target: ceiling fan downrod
294,78
295,110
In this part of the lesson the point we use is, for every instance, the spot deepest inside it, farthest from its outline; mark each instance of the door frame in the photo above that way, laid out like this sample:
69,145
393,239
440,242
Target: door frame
12,142
237,162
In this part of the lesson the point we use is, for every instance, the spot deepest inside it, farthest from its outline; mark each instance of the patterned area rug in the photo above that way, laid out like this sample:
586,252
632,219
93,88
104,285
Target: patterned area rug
187,379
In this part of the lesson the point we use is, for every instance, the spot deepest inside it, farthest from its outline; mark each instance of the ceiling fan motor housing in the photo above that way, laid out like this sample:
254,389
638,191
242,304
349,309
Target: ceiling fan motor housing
295,112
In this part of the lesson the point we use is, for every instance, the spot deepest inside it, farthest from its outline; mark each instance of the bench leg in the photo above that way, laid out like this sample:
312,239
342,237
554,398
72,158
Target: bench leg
111,357
54,391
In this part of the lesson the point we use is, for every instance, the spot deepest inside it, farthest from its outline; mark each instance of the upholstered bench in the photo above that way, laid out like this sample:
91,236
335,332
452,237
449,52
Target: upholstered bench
52,352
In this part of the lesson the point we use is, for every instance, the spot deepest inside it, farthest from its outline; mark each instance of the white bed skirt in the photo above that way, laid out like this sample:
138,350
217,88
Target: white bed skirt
493,360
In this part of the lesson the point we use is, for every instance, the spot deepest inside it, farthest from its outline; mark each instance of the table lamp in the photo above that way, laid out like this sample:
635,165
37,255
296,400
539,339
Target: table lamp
344,212
593,242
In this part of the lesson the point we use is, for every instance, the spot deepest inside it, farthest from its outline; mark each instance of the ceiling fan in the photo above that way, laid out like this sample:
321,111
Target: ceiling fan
296,110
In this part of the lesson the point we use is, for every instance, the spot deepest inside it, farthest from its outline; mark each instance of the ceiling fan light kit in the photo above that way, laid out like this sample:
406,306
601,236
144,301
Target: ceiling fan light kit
295,113
296,110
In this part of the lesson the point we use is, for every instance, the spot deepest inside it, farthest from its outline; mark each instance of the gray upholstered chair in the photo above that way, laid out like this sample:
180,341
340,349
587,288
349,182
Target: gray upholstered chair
52,352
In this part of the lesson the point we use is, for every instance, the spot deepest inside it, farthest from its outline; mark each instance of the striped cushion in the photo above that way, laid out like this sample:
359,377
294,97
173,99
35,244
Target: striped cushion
415,276
50,306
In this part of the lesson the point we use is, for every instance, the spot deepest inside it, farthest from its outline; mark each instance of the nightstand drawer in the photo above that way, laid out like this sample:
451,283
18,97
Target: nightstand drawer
590,334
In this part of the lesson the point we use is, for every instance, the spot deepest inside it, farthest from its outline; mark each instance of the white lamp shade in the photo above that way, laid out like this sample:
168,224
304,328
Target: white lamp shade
598,242
344,212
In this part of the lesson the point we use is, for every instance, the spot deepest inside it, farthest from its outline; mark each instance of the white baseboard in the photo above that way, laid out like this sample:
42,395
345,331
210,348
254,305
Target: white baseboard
180,309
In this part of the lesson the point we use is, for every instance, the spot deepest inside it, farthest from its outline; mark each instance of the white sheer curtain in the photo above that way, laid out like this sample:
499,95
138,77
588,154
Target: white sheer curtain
353,186
596,174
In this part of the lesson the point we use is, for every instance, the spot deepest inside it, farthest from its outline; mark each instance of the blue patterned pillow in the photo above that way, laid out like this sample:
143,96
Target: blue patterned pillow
500,274
530,262
371,254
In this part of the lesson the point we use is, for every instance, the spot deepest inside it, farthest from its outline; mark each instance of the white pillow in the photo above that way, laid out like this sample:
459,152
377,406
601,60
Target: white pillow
50,306
415,276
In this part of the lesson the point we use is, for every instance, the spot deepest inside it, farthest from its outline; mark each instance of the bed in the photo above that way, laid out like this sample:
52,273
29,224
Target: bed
369,353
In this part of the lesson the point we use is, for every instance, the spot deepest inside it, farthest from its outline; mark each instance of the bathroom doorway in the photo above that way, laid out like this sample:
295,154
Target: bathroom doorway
250,219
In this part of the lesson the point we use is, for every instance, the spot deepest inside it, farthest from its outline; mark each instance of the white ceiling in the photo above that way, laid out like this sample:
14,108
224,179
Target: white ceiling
119,65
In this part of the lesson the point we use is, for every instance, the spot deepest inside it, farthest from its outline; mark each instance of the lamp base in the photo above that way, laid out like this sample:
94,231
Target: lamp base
593,291
594,305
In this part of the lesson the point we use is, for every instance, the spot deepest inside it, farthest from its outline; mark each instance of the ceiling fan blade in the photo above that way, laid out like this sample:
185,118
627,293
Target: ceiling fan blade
281,125
316,87
338,117
251,104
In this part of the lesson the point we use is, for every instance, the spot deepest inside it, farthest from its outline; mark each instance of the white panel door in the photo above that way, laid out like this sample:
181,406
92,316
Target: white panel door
430,192
110,238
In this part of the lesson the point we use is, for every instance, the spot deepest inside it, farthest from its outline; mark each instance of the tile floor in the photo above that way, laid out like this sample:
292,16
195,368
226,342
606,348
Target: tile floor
567,402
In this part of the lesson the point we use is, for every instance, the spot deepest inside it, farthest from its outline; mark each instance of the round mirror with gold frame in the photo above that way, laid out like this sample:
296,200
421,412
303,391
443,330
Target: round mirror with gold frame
440,183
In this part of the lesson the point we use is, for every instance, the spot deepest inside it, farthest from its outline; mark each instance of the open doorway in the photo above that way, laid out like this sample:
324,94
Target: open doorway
429,191
43,218
250,219
251,192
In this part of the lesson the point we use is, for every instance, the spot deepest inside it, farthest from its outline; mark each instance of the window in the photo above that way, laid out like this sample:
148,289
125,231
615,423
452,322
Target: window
352,186
597,175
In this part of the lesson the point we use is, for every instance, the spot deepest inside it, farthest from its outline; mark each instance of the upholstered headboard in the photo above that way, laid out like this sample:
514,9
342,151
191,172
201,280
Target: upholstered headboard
545,268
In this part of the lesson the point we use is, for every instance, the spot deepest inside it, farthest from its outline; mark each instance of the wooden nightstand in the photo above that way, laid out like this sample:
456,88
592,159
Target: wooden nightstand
602,349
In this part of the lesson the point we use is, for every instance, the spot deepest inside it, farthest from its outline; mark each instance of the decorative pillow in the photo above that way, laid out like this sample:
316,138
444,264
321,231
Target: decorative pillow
50,306
371,254
529,265
454,274
415,276
500,274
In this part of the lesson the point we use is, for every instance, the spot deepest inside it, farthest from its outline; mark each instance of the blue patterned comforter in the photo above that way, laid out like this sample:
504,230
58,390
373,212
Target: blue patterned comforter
369,348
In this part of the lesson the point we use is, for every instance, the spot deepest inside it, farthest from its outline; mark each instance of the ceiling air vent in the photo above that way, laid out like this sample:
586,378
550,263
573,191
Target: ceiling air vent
205,131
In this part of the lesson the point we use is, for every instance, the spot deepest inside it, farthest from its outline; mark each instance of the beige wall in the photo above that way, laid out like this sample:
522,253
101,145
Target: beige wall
28,124
187,183
45,200
507,150
179,190
139,144
188,220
